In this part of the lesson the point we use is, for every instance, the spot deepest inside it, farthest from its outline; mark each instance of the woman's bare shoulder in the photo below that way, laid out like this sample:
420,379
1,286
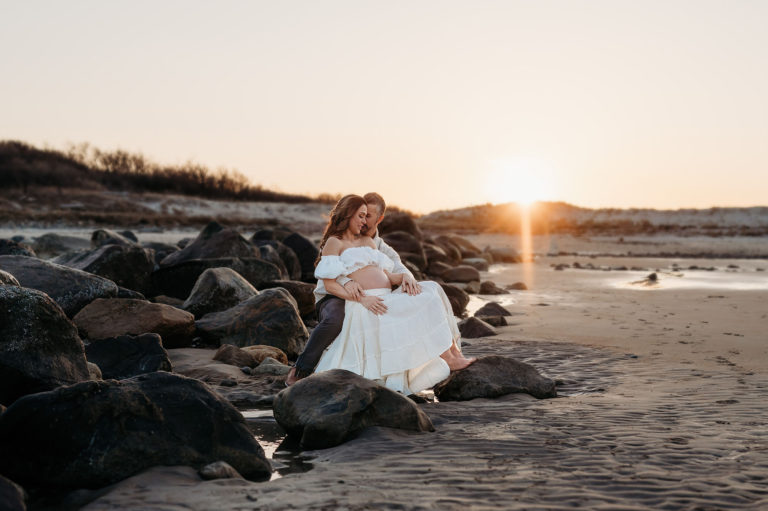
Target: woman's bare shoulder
333,246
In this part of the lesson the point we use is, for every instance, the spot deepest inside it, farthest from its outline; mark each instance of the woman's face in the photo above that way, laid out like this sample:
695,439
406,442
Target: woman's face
357,222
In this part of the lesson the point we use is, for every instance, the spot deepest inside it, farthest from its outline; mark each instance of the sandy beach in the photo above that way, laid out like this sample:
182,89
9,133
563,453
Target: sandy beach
661,406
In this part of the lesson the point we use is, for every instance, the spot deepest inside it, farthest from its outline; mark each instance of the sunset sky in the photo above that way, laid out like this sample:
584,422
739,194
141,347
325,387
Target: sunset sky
435,104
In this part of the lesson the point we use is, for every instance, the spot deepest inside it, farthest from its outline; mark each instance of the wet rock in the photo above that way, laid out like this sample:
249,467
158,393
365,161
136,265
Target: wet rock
39,347
472,328
478,263
234,356
12,496
302,292
518,286
102,237
218,289
490,288
10,247
261,352
219,470
179,280
492,309
462,273
306,251
6,279
114,317
495,376
504,254
51,244
397,221
98,433
468,249
458,298
72,289
495,320
129,266
213,242
271,318
127,356
288,256
94,372
273,367
329,408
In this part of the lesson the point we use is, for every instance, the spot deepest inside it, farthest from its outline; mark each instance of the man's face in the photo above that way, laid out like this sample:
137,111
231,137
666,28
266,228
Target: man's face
372,220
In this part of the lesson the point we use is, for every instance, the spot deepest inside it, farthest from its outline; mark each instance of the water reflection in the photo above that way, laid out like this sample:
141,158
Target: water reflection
284,452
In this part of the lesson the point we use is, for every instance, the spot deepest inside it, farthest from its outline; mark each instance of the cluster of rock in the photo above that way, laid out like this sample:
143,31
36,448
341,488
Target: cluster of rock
451,260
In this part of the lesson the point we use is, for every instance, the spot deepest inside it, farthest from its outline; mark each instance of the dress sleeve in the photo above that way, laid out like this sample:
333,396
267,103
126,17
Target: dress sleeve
330,267
384,262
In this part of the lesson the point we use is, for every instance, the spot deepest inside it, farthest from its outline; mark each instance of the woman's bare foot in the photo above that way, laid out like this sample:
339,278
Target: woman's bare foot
291,378
456,363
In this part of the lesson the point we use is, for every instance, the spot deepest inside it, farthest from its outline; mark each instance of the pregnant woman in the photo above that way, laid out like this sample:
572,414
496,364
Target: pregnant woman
406,342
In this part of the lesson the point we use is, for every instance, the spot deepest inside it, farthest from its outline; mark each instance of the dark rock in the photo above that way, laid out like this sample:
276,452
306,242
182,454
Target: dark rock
51,244
560,267
451,249
397,221
128,266
492,309
329,408
168,300
504,254
261,352
218,289
472,328
12,496
288,256
114,317
271,318
178,280
72,289
39,347
213,242
303,293
436,253
127,356
495,320
93,434
476,262
459,298
437,268
129,293
272,367
6,279
10,247
228,382
408,247
162,250
102,237
306,251
234,356
462,273
94,372
490,288
468,249
268,253
219,470
129,235
518,286
495,376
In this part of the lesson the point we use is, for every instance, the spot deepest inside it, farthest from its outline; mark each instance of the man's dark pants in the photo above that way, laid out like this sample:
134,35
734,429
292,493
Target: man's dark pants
330,312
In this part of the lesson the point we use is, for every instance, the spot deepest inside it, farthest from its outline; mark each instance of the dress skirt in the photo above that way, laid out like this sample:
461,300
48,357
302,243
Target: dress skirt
400,348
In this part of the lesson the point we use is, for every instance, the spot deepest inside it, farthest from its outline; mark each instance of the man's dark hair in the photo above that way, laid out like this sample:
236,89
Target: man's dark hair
378,200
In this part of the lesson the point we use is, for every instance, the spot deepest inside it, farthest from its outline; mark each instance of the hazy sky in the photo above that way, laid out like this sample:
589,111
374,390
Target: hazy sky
435,104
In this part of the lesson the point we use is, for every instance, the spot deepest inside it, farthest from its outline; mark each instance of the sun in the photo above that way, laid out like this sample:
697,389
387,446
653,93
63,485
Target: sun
520,180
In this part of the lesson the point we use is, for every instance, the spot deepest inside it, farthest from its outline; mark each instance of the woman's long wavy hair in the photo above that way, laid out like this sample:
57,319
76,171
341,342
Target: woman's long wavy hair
339,220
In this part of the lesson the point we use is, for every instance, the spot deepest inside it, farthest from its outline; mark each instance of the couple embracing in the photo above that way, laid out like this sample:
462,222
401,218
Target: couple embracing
406,339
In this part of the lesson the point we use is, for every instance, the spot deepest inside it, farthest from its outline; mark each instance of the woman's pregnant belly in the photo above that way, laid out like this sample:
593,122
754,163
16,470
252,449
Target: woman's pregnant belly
371,277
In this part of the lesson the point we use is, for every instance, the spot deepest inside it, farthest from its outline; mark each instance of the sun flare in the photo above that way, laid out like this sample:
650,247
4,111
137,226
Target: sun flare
523,181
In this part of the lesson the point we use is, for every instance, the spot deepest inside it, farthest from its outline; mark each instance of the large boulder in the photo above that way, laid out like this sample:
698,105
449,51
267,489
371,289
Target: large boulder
467,248
39,347
459,298
479,263
472,328
261,352
114,317
462,273
179,280
52,244
10,247
488,287
102,237
492,309
451,249
162,250
307,253
329,408
397,221
234,356
302,292
6,279
269,253
213,242
408,247
93,434
436,253
271,318
218,289
504,254
12,496
128,266
126,356
72,289
288,256
492,377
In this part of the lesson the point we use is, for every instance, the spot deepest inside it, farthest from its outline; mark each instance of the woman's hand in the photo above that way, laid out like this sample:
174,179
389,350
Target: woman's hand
374,304
354,289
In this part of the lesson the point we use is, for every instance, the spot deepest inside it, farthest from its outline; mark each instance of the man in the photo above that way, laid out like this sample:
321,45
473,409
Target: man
330,302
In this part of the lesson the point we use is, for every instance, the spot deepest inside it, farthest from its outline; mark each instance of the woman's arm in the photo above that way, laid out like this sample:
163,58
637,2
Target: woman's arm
395,278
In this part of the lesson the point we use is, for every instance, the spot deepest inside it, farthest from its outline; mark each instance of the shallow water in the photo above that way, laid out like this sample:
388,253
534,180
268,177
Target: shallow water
284,453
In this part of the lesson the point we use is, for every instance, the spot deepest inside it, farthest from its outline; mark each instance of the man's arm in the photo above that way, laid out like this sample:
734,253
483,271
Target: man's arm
392,254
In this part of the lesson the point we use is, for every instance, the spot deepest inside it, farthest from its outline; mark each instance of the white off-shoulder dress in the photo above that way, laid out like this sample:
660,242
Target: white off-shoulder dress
400,348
